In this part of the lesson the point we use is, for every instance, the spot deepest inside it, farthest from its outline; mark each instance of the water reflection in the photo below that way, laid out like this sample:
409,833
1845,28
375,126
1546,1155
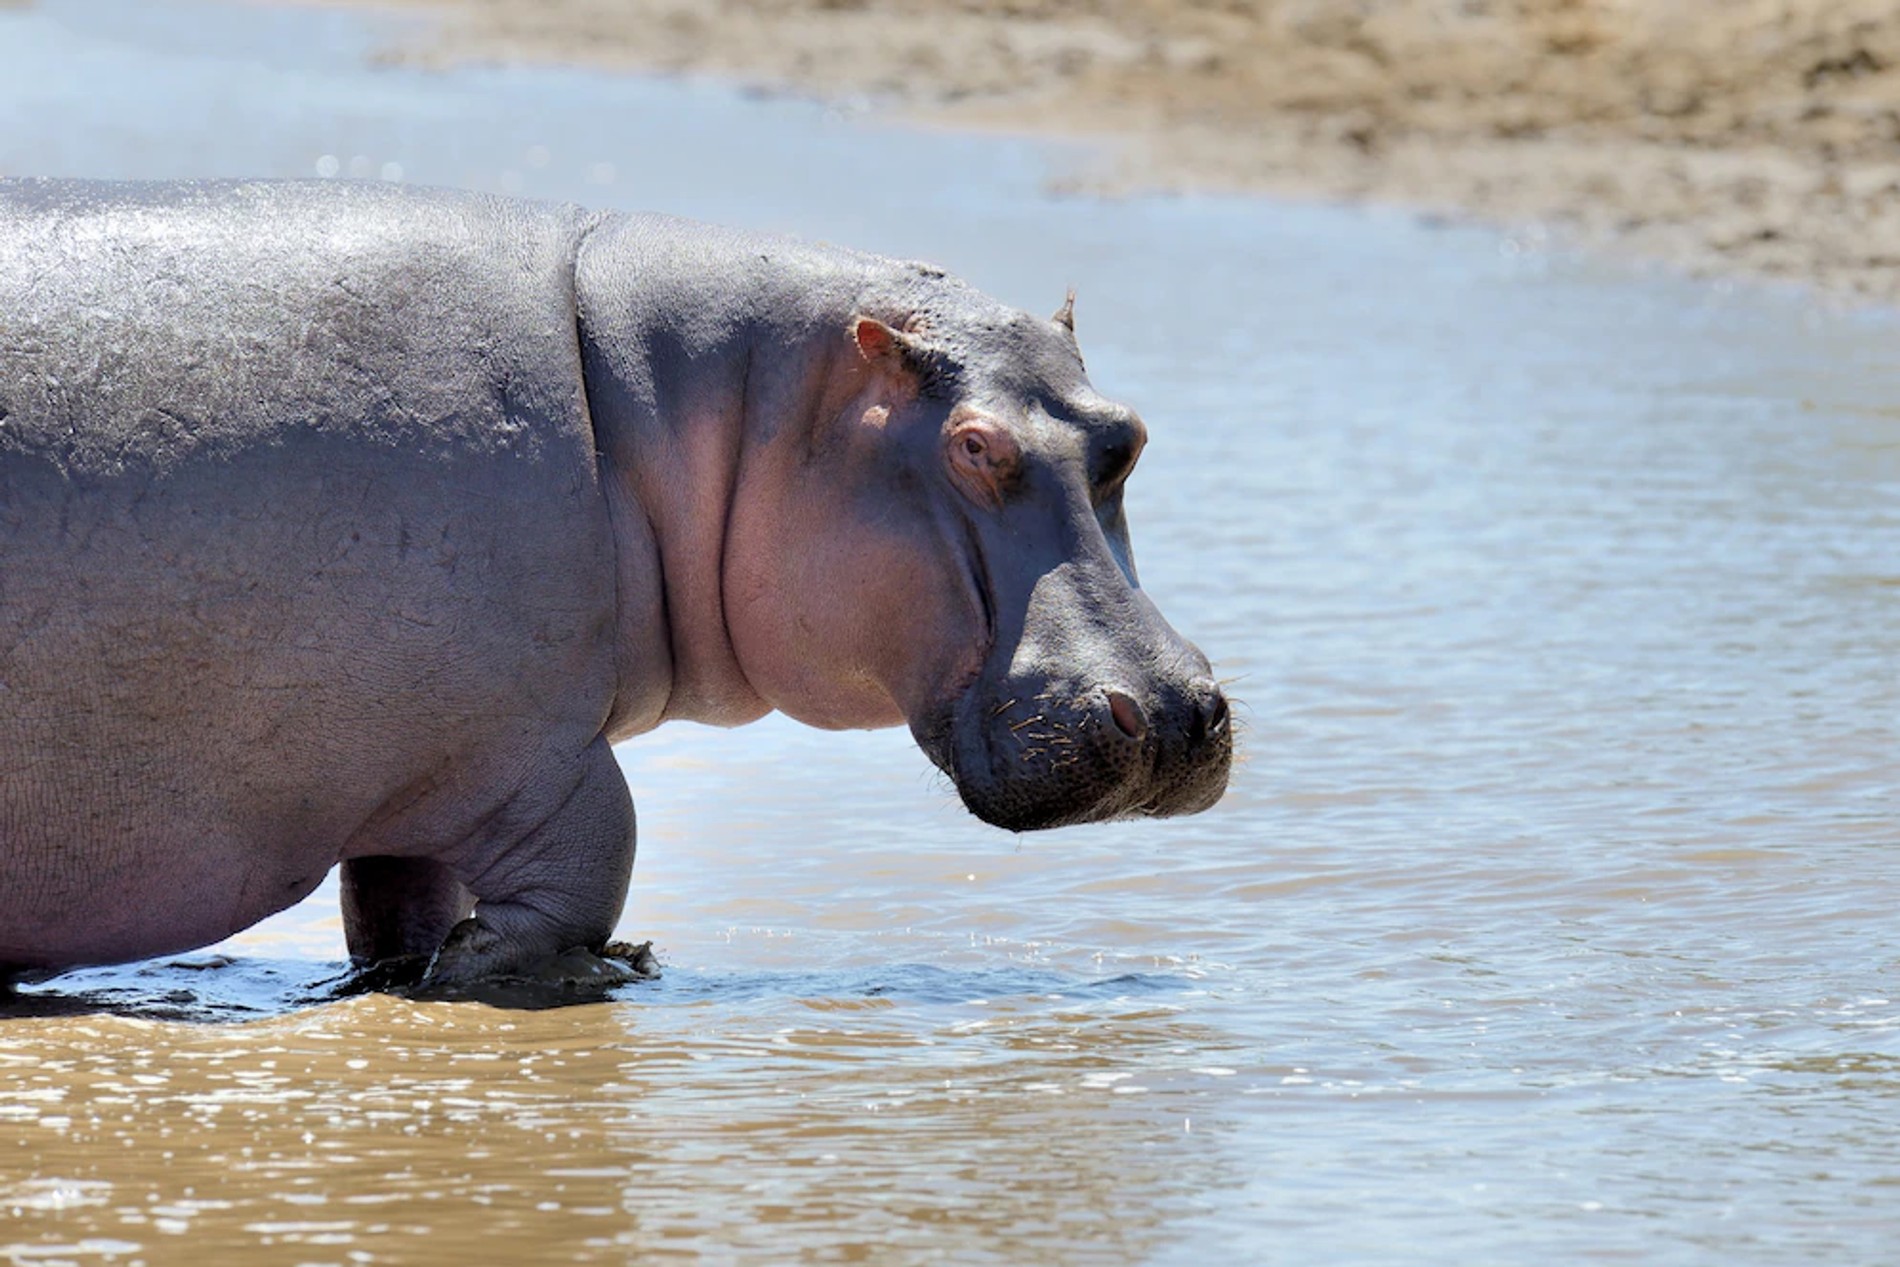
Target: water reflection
1022,1130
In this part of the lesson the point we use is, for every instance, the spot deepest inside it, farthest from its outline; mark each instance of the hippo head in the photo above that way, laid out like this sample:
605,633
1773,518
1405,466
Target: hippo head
948,545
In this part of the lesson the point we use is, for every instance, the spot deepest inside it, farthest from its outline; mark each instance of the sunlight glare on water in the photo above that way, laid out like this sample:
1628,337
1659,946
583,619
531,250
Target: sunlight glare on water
1550,912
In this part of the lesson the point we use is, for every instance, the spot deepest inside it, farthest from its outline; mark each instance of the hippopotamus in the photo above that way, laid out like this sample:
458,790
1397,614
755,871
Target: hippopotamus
350,524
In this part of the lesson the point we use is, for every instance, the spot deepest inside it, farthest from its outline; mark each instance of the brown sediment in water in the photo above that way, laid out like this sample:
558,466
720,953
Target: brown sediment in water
1753,136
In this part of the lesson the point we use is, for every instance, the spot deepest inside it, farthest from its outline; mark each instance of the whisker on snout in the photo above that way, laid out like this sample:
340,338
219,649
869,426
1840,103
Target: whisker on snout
1237,727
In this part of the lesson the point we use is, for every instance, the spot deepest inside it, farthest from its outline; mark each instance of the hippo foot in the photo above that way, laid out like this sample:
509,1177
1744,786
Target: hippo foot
386,976
466,968
640,959
574,976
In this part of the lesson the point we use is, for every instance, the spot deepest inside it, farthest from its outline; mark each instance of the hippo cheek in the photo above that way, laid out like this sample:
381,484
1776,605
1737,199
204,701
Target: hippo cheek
843,616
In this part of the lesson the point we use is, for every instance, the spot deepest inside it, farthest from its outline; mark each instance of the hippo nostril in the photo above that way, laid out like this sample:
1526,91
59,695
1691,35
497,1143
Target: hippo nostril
1217,715
1207,716
1127,715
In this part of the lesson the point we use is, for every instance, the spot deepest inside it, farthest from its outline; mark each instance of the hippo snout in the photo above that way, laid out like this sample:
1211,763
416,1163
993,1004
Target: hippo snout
1187,743
1194,751
1026,759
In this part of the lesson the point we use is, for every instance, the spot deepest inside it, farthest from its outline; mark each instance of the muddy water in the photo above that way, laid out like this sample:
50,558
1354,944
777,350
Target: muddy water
1552,913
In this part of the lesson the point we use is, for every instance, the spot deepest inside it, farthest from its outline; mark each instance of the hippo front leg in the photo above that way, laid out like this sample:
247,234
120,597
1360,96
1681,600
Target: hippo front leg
396,914
547,896
400,908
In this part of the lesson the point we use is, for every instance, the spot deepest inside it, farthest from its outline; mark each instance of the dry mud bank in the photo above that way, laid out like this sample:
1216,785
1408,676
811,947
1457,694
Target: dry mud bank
1760,136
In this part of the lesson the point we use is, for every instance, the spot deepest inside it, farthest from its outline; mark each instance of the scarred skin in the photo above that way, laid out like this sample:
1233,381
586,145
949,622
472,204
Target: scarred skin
348,524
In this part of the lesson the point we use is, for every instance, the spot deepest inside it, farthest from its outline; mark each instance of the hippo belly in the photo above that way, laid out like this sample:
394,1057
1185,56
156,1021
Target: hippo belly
203,721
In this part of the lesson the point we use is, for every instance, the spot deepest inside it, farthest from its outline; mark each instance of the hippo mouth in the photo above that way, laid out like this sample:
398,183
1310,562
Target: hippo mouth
1031,759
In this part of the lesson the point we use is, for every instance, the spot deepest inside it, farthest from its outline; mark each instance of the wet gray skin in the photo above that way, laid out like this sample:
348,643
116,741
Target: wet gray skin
345,524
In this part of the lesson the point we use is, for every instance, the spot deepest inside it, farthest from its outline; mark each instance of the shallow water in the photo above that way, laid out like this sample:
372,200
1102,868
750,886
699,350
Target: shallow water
1551,913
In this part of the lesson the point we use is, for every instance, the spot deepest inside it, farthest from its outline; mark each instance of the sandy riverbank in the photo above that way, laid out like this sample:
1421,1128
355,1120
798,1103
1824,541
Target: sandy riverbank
1753,136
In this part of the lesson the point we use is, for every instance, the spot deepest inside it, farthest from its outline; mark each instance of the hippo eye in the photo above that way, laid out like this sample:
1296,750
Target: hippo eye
973,445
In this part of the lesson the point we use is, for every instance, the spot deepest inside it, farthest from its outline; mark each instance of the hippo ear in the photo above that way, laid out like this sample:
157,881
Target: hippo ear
881,345
897,354
1065,315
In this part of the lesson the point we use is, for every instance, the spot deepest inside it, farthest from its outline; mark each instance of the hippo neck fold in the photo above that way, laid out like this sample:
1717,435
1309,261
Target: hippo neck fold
699,347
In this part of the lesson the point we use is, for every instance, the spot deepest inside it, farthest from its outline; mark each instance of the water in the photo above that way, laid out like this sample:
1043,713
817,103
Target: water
1550,915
